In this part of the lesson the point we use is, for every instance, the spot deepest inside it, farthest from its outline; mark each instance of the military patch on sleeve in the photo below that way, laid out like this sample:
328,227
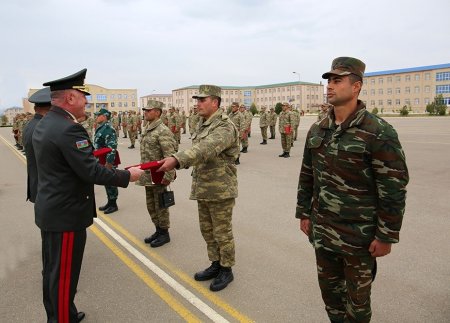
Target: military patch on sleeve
82,144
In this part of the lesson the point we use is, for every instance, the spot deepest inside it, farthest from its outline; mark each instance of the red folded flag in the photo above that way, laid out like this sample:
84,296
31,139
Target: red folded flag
101,151
101,155
153,166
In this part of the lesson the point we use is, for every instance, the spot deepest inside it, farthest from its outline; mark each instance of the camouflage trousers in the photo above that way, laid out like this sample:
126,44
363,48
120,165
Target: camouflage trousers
286,142
244,141
112,192
272,131
160,217
295,132
264,133
345,282
215,225
133,136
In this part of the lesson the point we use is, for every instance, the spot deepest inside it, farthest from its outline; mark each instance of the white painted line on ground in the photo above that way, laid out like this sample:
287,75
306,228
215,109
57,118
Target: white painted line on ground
180,289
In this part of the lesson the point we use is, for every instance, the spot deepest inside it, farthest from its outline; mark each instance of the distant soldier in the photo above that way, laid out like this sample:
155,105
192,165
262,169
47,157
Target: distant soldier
239,121
249,116
115,123
124,124
88,123
272,122
157,142
263,124
285,128
15,130
194,118
323,111
183,121
132,128
246,122
214,183
295,122
105,137
164,117
173,123
20,125
139,123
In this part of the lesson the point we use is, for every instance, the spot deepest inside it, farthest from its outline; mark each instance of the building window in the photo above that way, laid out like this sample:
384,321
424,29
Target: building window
372,81
380,91
427,100
417,77
397,90
407,78
112,104
247,93
380,81
364,92
101,97
443,76
372,92
407,101
407,89
442,89
120,104
119,96
389,79
427,89
380,102
389,102
416,89
427,76
397,101
398,78
112,97
389,91
125,97
125,104
133,104
372,102
416,101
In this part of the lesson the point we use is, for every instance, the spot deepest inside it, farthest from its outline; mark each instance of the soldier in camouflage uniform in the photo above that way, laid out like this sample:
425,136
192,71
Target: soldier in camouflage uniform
174,124
239,121
115,123
124,123
132,127
263,124
105,137
164,117
272,122
351,194
183,121
88,123
323,111
194,119
295,122
214,183
285,128
157,142
245,125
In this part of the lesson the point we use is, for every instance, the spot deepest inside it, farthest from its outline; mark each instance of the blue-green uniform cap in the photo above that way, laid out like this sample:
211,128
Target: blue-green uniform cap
104,112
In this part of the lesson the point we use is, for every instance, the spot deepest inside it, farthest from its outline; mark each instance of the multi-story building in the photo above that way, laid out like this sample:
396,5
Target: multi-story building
112,99
302,95
164,98
10,113
415,87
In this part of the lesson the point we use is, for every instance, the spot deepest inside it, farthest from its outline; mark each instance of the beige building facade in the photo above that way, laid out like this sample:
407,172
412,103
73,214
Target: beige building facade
389,91
11,113
111,99
164,98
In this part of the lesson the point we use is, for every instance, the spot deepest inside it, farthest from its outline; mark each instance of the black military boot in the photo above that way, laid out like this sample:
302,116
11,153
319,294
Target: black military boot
209,273
104,207
153,236
222,280
112,207
131,147
162,238
286,155
124,136
244,150
237,162
264,142
283,154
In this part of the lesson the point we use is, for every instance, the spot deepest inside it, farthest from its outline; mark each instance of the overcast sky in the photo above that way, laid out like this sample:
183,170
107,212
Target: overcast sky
163,45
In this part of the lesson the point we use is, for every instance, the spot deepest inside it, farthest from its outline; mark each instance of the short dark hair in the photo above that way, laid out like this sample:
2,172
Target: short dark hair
219,99
355,78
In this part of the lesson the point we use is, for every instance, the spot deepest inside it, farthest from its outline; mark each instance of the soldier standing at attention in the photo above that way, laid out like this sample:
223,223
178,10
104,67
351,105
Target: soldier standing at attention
173,124
244,125
272,122
124,124
65,200
157,142
164,117
351,194
105,137
238,120
183,121
263,124
323,111
285,128
88,123
193,121
132,127
295,122
115,123
214,183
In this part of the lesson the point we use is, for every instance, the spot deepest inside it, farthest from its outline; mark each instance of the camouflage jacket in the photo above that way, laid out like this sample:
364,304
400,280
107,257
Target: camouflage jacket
214,150
89,126
285,120
105,137
272,119
352,183
239,121
194,119
248,119
132,122
174,122
295,117
263,119
157,142
124,121
115,122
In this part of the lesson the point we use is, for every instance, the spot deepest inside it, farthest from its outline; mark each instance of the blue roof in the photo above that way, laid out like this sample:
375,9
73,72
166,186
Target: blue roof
408,70
251,87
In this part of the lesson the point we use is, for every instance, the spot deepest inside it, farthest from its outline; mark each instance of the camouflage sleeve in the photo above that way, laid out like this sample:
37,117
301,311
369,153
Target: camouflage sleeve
211,146
168,147
305,184
391,177
111,142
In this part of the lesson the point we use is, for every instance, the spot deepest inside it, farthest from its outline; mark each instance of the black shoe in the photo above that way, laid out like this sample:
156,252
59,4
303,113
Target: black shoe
286,155
264,142
161,239
104,207
283,154
152,237
244,150
222,280
237,162
292,145
112,207
80,316
124,137
131,147
209,273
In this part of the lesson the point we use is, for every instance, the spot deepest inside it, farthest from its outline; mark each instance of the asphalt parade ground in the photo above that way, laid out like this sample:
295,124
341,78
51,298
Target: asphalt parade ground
124,280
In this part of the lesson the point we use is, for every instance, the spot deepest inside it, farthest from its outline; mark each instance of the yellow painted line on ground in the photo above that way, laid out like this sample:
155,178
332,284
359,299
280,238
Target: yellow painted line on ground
150,282
183,276
14,149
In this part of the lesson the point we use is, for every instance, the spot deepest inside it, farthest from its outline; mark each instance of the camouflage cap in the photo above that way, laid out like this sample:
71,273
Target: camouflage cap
153,104
285,104
103,112
208,90
346,66
235,104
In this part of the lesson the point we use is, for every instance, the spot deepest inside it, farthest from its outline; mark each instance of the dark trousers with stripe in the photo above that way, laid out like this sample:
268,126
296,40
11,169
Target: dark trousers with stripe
62,254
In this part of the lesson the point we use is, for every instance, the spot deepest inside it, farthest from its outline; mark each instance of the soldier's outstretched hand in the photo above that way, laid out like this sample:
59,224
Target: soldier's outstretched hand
135,173
167,164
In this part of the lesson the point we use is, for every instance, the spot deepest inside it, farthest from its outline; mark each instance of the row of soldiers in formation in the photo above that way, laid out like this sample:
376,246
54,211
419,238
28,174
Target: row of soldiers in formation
19,123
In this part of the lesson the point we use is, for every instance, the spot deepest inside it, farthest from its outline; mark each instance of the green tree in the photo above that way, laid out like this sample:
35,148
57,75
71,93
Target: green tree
253,109
437,107
4,120
404,111
375,110
278,108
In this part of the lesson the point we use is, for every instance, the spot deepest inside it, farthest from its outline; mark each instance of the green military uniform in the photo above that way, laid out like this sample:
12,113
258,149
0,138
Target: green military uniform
157,142
239,121
214,184
323,111
105,137
124,118
194,119
132,127
88,124
295,123
164,117
246,122
115,123
173,123
183,121
272,122
285,128
352,187
263,124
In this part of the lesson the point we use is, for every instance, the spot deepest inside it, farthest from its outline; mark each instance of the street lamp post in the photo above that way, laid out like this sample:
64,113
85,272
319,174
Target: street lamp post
298,74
